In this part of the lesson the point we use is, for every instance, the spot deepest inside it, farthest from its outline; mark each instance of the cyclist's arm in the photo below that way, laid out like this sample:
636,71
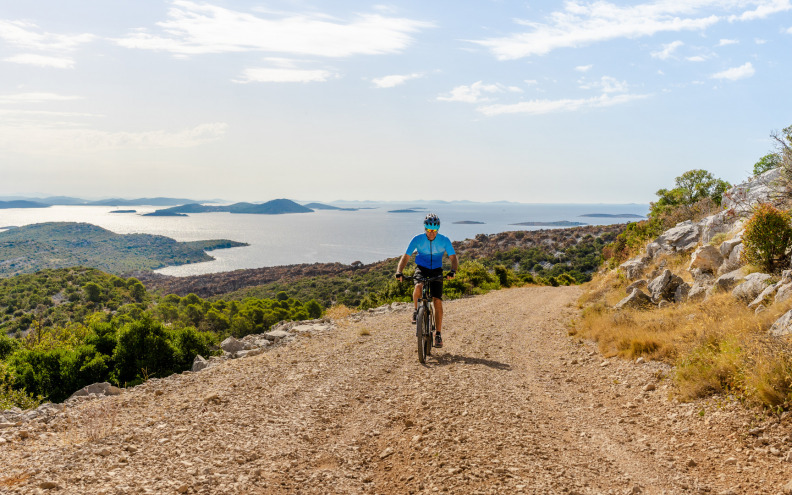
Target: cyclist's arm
402,263
454,262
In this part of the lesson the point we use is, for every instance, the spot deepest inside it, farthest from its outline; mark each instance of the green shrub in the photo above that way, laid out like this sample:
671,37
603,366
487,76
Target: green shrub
768,238
143,350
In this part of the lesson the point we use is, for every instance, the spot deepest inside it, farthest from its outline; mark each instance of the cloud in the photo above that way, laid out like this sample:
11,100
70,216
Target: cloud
606,84
667,51
473,93
36,98
760,41
64,138
583,68
580,24
282,75
540,107
735,73
193,29
394,80
42,61
724,42
29,36
696,58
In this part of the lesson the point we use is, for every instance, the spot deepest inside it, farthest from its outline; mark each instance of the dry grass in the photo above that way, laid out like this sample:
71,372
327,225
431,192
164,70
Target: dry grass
717,346
15,479
339,311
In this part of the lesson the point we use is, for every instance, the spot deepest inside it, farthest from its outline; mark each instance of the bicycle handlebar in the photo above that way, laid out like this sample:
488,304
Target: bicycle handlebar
424,279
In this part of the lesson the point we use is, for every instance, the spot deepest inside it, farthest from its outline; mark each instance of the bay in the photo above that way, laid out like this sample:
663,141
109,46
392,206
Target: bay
366,235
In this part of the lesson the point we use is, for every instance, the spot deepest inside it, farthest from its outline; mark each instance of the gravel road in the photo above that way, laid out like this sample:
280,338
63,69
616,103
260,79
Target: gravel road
511,404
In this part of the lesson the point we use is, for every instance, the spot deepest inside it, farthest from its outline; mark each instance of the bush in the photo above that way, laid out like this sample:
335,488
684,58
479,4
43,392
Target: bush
768,238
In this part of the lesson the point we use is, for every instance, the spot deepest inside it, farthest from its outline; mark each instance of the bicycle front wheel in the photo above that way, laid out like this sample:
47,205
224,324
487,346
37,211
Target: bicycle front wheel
421,332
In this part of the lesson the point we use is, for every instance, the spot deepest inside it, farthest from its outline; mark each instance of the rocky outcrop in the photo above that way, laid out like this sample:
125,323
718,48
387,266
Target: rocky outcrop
97,389
683,237
752,285
634,268
733,262
637,299
782,326
762,188
664,286
706,258
727,282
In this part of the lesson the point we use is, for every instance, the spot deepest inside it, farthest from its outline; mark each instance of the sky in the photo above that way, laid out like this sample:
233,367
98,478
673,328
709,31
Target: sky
480,100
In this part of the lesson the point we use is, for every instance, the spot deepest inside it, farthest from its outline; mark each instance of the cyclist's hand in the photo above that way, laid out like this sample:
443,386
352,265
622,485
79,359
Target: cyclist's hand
451,274
399,277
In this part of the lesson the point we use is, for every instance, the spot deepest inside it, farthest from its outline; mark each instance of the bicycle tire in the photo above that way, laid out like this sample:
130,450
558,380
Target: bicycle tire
420,333
429,335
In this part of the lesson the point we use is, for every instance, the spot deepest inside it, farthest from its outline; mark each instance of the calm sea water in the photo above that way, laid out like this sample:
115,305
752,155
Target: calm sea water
366,235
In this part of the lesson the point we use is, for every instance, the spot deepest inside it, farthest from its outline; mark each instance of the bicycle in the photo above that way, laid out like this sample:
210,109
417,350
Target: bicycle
425,321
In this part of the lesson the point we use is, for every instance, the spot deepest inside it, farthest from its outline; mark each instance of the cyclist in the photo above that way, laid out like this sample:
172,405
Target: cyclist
430,247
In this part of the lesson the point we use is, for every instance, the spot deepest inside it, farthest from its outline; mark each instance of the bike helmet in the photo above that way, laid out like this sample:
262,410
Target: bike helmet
432,222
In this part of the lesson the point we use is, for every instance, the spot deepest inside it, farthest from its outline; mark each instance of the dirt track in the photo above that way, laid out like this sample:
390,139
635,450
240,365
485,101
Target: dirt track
511,404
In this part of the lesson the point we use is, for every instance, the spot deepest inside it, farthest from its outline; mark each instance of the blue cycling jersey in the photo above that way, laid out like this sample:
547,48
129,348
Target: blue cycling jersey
430,253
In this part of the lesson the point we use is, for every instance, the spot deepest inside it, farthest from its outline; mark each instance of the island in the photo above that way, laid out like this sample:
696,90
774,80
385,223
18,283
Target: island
610,215
32,248
561,223
468,222
322,206
274,207
407,210
124,211
164,213
21,203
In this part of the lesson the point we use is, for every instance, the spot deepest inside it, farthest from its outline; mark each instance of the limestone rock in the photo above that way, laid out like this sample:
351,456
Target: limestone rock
636,299
638,284
232,345
103,388
199,363
681,293
783,325
708,258
664,286
763,296
784,292
633,268
720,223
753,285
276,335
727,281
726,247
683,237
759,189
733,262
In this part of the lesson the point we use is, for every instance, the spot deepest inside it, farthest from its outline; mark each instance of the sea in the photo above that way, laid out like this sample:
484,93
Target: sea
371,233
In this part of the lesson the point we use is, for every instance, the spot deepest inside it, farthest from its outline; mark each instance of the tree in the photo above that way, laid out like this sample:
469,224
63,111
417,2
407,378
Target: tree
767,162
93,292
691,187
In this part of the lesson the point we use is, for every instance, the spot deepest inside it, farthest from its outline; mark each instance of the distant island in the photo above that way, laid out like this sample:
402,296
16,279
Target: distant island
124,211
407,210
274,207
468,222
21,203
609,215
561,223
322,206
31,248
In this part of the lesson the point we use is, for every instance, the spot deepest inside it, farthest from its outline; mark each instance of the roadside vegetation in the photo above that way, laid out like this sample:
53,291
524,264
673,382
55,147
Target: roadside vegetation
717,346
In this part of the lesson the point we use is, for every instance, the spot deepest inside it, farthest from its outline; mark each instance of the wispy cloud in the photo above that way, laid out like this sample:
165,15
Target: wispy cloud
42,61
744,71
583,68
394,80
32,97
725,42
580,24
282,75
696,58
30,36
667,51
539,107
193,28
63,138
474,93
606,84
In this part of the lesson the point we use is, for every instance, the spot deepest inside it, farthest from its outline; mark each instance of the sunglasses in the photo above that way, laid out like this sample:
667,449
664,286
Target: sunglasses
430,230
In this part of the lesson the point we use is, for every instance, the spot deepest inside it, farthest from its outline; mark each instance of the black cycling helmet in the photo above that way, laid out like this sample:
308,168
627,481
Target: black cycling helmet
432,222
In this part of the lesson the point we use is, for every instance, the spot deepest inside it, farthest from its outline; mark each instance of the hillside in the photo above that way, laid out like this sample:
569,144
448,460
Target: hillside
62,244
274,207
511,404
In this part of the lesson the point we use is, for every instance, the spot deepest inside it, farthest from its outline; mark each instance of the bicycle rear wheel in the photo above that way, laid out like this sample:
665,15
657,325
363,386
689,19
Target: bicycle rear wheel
421,331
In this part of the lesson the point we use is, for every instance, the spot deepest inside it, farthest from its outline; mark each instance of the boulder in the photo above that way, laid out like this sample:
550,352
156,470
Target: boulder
763,188
733,262
702,282
681,292
720,223
764,296
232,345
726,247
753,285
633,268
102,388
199,363
726,282
664,286
707,258
276,335
783,292
783,325
682,237
636,299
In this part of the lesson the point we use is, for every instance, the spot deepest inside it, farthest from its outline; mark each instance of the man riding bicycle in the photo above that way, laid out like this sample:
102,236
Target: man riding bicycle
430,247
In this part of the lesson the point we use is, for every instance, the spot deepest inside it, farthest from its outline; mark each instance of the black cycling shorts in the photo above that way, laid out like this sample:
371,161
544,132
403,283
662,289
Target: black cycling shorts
436,287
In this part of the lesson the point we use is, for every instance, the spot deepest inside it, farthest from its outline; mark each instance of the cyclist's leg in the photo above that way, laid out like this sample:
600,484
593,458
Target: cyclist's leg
417,295
438,312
